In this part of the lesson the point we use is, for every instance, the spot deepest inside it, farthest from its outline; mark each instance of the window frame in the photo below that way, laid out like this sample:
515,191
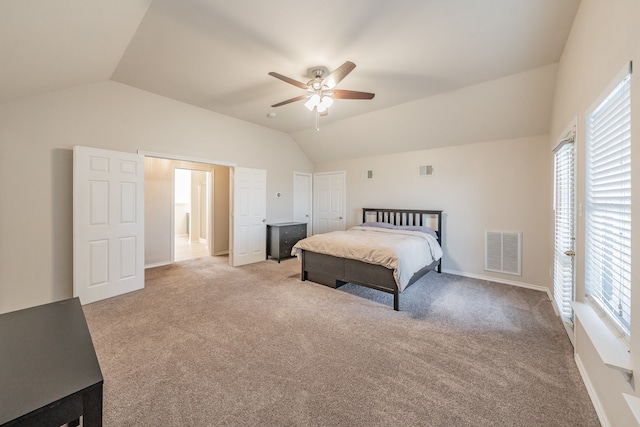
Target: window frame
606,227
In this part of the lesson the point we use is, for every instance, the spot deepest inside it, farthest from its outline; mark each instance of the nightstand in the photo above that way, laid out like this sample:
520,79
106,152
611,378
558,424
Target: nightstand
282,236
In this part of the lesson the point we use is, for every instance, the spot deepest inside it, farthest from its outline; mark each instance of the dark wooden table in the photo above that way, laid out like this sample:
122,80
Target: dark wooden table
49,372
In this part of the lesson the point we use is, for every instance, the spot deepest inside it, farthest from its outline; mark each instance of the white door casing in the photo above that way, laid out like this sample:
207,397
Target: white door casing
329,202
249,216
302,200
108,223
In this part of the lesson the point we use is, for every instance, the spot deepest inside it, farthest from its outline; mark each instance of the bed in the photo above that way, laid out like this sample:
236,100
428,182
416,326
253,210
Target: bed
331,259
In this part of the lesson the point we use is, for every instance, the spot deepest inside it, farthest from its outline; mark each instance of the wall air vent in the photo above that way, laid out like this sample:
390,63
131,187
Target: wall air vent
367,174
425,170
503,252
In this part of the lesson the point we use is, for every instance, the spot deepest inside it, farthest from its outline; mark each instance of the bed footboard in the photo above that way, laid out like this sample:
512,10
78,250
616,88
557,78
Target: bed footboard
334,272
324,269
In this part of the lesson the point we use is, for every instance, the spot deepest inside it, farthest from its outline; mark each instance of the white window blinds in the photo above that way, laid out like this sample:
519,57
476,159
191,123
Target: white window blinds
608,207
564,165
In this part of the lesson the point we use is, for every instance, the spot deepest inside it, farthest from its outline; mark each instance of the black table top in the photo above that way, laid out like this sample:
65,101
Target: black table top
46,354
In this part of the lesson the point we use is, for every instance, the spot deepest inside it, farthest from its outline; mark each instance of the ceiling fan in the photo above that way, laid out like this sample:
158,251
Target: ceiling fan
321,90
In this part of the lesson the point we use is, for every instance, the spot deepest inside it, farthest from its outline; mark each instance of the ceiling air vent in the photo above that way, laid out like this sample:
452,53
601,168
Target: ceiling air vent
425,170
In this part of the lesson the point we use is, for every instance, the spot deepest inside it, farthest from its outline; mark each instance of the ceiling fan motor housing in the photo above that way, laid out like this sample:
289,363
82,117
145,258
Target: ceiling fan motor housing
317,72
316,82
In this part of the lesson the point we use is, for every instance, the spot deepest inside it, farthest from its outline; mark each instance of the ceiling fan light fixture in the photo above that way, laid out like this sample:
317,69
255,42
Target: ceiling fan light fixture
314,101
327,101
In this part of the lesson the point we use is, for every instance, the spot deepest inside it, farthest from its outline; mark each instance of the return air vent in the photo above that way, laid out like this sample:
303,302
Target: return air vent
503,252
425,170
367,174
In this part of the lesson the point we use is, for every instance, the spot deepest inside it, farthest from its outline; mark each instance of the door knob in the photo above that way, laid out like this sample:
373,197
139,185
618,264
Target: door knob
570,253
264,220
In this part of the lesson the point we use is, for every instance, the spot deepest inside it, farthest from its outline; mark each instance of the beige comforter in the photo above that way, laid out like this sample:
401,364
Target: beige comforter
405,252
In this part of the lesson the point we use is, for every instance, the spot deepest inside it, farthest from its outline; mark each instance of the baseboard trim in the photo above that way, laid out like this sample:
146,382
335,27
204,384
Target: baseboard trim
592,394
503,281
157,264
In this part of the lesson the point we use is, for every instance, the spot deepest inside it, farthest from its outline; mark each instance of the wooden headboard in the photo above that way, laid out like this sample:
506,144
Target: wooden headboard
429,218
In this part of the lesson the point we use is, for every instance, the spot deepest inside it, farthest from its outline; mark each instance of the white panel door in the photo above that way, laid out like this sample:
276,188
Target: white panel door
108,223
249,216
329,202
302,202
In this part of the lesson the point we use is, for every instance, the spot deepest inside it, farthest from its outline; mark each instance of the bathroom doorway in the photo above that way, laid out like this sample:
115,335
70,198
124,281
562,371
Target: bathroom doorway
192,213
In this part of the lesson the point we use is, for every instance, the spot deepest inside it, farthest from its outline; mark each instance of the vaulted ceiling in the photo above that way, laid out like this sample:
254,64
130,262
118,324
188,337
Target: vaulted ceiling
216,54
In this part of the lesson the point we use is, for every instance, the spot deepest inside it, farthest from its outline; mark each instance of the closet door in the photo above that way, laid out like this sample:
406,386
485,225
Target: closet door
329,202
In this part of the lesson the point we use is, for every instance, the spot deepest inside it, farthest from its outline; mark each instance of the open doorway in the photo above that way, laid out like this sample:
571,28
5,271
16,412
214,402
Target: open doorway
162,220
192,214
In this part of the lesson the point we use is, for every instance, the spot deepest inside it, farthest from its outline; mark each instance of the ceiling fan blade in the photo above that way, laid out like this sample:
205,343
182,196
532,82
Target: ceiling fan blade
352,94
289,101
338,74
289,80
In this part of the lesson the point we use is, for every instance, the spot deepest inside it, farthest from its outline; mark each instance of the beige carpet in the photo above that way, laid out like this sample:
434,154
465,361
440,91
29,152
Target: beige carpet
205,344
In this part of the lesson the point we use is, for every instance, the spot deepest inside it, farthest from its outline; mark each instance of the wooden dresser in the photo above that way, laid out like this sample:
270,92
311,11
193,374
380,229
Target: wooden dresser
282,236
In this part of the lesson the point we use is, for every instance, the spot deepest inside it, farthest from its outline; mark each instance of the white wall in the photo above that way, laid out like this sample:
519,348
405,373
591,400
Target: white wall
198,207
181,227
221,209
498,185
158,191
36,139
604,36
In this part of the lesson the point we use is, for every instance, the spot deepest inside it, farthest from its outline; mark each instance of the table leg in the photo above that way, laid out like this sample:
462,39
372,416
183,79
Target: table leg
92,407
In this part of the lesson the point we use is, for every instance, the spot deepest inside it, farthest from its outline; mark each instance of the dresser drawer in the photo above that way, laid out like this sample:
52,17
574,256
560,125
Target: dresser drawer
294,232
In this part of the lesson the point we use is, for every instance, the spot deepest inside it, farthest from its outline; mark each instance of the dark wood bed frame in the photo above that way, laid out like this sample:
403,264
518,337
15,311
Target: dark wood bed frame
334,271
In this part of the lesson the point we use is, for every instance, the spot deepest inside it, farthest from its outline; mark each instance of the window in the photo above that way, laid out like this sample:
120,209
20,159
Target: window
608,204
